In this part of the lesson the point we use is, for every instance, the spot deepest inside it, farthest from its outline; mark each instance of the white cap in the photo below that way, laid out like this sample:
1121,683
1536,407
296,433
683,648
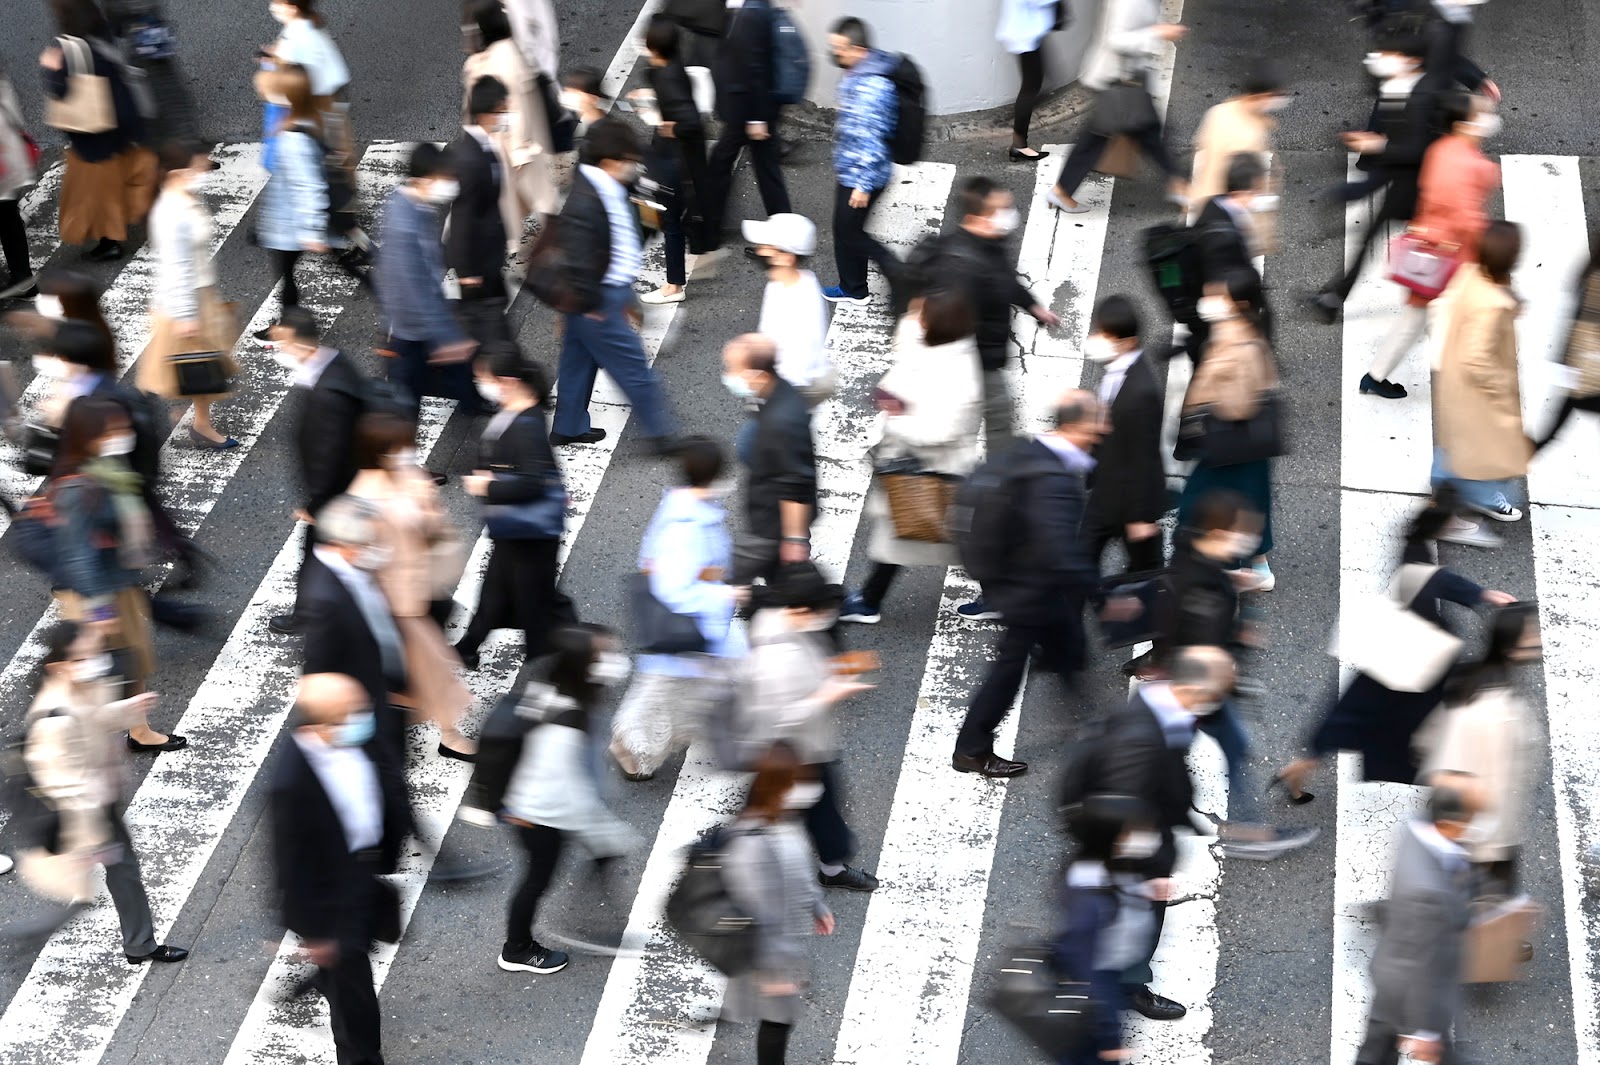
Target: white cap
793,233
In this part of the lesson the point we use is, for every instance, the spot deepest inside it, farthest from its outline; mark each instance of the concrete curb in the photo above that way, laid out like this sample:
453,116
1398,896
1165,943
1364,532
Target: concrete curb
991,127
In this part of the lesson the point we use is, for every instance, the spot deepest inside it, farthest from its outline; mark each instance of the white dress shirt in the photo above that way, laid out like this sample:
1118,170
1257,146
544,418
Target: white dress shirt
310,371
351,781
627,255
373,606
1116,373
796,318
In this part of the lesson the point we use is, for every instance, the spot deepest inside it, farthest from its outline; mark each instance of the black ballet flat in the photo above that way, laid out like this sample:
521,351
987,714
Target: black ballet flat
174,743
460,756
1021,156
1279,781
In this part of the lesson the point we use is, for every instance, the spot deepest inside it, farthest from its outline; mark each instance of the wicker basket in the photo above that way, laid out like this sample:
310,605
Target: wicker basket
918,503
1583,344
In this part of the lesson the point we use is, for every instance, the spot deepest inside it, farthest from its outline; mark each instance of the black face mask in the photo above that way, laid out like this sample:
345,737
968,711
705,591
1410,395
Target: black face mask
839,62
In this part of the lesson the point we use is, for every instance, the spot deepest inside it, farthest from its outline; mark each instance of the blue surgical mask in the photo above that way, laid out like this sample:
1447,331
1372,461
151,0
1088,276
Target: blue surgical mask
356,730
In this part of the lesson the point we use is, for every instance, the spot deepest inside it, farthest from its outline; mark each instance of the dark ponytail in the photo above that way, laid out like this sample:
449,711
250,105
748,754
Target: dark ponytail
1507,626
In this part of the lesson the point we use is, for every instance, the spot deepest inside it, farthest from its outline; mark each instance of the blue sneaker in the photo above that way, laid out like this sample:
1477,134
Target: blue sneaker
835,294
857,610
977,610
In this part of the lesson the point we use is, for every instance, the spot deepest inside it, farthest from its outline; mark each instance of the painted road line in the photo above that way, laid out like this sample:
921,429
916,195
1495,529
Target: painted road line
1544,195
628,52
44,234
657,979
1386,445
280,1031
860,339
233,188
919,943
1568,583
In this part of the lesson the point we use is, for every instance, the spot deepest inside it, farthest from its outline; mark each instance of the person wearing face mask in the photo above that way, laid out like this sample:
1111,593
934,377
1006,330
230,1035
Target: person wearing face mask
1379,722
1105,907
794,311
1235,379
295,202
186,313
328,391
1402,126
930,405
1128,487
788,690
431,352
426,558
1453,194
1230,237
781,466
768,874
600,237
552,797
304,41
1241,123
103,541
475,247
74,756
516,468
687,555
863,125
976,259
336,828
582,96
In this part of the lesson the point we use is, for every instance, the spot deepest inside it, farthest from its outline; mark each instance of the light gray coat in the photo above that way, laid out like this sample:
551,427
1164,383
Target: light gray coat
771,874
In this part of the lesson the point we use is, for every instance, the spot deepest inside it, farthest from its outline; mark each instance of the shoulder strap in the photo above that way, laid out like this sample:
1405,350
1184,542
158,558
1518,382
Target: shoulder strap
79,59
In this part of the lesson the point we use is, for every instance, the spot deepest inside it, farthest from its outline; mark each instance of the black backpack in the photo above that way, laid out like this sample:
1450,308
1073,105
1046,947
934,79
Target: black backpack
1177,266
911,112
704,915
982,521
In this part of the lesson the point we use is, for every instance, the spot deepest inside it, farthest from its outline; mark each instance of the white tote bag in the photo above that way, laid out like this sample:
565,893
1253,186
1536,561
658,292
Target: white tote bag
87,106
1399,649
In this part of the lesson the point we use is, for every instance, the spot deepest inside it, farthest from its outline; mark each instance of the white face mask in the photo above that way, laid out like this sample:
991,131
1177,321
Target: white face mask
1276,103
498,123
1214,308
406,456
1264,202
609,669
1141,844
51,366
1485,125
372,558
1005,221
284,358
1100,348
89,670
50,307
573,100
120,444
444,190
737,385
489,390
1386,65
803,796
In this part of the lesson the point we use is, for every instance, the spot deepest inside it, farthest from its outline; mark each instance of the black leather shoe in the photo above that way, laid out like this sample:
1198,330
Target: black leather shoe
440,479
161,953
1325,305
990,765
284,624
469,659
1156,1007
753,255
174,742
593,436
107,251
850,878
460,756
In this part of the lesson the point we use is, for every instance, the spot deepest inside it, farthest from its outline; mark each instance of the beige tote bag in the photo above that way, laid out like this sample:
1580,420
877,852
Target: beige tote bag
87,107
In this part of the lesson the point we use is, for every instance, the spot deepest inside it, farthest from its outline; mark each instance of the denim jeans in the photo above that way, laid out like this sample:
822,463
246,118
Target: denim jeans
607,343
1224,727
1473,493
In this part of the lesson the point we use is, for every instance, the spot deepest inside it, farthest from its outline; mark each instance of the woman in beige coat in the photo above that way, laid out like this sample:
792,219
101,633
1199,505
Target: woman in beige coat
1482,445
1242,123
525,141
186,313
425,562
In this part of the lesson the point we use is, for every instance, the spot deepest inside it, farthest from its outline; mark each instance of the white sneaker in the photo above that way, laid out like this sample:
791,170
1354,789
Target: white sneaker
657,296
1500,510
1470,533
6,864
1265,580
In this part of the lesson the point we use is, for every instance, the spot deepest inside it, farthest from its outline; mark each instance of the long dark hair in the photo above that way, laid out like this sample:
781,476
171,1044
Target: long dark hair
80,18
58,641
307,9
80,301
1507,626
87,420
576,646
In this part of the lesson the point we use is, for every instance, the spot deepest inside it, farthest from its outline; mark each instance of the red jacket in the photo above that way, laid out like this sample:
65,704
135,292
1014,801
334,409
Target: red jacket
1457,181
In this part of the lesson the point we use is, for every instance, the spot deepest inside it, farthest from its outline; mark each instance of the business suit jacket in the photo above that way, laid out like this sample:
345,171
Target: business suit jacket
1136,760
1224,245
1410,127
1052,573
326,433
1416,969
520,458
326,893
338,638
476,246
585,235
742,66
1129,481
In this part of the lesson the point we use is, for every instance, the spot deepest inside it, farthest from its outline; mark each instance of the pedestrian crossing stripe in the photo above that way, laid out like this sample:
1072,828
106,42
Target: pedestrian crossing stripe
61,1015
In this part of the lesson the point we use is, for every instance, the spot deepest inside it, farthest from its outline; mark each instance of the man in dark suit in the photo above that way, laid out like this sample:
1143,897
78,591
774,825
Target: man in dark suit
1416,970
1041,599
331,394
334,832
742,71
476,246
1128,487
1226,228
1143,755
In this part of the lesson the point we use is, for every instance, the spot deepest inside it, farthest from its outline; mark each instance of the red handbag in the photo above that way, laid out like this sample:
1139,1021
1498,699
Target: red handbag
1421,265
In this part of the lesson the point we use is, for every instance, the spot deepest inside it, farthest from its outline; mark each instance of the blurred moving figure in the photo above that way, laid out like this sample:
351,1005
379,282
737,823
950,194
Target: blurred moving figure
1583,339
794,316
304,42
687,554
743,72
74,758
768,873
525,140
1416,968
676,161
335,831
1128,487
296,200
16,174
1241,123
554,793
476,245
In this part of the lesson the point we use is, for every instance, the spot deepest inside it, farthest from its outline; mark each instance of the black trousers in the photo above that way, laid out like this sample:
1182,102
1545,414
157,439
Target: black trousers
772,1043
1086,152
519,592
1031,66
483,316
853,245
14,241
877,583
352,1006
825,824
719,175
283,264
541,846
1568,405
1061,643
1143,555
1381,225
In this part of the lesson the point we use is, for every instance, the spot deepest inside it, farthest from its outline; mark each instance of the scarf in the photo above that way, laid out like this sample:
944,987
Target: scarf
135,544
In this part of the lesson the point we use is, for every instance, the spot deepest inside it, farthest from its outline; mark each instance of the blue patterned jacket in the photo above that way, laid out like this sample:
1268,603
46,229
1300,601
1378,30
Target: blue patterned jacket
867,114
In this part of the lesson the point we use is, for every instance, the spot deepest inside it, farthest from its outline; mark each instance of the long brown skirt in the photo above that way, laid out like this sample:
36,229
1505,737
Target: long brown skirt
436,693
101,200
133,629
219,331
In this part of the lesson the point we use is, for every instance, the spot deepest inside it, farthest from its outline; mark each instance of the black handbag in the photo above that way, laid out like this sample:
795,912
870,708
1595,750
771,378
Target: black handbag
1058,1016
541,518
655,630
1123,107
1152,590
1218,442
201,373
705,916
